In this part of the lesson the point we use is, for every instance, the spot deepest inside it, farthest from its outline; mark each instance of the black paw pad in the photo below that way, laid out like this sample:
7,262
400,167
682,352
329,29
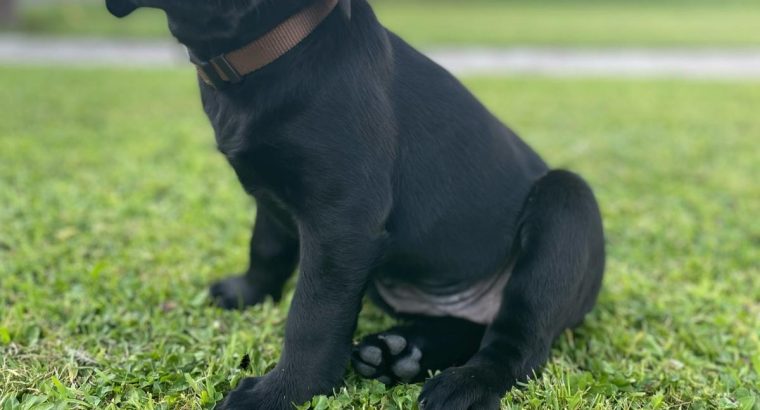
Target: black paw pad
389,358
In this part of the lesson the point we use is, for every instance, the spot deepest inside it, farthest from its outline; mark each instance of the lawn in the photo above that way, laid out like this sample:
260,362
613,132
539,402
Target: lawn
109,235
597,23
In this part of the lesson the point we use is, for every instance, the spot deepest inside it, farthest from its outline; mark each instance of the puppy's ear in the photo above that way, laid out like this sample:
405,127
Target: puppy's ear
120,8
345,7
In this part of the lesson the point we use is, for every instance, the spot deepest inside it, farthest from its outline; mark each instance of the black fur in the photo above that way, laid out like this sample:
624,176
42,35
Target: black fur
368,160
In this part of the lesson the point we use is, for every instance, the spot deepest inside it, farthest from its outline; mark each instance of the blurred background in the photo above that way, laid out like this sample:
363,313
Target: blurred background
109,234
695,23
695,38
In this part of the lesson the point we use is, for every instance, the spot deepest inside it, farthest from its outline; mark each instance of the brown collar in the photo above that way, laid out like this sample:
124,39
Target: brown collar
230,68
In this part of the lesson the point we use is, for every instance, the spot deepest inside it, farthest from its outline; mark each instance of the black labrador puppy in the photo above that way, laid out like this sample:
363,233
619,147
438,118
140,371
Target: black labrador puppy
380,174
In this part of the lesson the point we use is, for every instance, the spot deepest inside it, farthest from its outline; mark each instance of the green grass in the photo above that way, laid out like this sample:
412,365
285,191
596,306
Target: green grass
732,23
109,235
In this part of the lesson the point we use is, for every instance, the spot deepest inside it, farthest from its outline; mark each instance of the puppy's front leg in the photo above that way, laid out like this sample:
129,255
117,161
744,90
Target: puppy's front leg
338,249
273,259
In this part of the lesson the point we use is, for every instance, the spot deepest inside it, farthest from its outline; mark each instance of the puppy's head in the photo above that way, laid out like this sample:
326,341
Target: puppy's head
193,21
178,8
197,14
210,24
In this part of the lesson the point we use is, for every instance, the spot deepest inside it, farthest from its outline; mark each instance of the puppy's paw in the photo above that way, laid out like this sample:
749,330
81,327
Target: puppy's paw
389,358
236,293
252,394
461,388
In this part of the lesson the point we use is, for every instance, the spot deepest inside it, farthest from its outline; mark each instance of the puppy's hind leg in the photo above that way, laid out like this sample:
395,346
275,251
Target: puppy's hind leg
273,259
555,281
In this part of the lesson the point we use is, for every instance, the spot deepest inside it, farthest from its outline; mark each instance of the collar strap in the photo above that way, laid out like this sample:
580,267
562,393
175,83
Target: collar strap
230,68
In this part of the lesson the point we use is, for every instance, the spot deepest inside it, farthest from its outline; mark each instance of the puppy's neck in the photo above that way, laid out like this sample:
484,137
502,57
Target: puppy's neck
232,30
231,67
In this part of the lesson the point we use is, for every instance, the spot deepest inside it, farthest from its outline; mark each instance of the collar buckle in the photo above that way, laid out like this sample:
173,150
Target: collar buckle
217,72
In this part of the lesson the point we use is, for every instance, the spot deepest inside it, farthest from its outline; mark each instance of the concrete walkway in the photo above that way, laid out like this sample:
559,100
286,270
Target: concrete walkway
691,63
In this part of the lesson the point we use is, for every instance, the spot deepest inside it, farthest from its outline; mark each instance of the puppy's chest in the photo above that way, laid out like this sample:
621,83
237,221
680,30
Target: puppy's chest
261,155
262,166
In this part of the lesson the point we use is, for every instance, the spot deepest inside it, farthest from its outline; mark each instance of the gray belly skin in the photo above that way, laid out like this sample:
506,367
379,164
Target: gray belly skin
479,302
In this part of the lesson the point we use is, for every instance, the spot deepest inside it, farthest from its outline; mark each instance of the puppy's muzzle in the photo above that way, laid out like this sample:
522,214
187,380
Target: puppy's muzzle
121,8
